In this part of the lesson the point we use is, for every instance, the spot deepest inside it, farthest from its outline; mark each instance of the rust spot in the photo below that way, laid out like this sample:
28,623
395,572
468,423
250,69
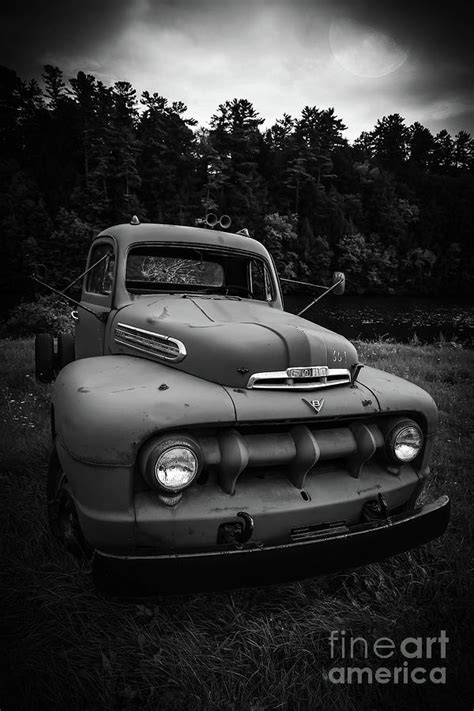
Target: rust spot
83,390
366,403
163,386
369,488
164,314
186,404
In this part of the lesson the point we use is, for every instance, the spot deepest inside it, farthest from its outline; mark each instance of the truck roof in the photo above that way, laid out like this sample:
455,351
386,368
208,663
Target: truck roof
128,234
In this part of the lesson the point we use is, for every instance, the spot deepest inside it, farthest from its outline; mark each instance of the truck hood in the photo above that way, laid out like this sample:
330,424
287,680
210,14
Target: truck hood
226,340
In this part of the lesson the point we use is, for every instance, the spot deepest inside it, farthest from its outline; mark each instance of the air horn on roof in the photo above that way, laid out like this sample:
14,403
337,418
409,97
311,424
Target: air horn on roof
212,220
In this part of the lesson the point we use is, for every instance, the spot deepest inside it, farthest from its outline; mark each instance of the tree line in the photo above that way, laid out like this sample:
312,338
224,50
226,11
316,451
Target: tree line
393,209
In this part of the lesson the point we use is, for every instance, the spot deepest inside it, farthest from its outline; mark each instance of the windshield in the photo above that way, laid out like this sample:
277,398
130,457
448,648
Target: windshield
155,268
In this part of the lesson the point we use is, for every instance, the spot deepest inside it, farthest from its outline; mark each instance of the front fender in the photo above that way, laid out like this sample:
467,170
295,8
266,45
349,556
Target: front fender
106,406
399,395
396,395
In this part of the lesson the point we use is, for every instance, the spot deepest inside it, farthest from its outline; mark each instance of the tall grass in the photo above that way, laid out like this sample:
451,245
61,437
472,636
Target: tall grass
66,647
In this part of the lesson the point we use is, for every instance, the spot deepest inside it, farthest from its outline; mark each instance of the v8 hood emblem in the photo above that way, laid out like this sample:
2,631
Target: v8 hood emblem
317,405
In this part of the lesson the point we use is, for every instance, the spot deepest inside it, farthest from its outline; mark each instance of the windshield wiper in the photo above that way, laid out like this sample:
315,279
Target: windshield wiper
190,295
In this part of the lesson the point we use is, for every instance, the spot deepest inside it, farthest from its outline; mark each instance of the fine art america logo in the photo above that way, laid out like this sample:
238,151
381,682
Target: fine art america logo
418,655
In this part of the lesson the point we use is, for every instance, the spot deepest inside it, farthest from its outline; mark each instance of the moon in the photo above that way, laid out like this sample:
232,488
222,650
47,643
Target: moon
364,51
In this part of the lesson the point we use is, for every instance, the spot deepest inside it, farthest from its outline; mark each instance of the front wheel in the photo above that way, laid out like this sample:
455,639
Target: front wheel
62,514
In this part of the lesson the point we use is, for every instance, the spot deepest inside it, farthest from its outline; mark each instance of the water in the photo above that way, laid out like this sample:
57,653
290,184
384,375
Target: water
371,317
400,318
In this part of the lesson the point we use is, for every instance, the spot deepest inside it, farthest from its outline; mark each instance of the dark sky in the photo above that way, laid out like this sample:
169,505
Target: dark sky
366,58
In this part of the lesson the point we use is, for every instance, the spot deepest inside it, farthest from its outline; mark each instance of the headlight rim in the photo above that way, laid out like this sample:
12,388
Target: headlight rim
156,448
390,440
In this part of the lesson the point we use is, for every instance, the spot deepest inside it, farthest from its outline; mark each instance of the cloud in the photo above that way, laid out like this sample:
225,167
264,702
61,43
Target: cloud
30,30
276,53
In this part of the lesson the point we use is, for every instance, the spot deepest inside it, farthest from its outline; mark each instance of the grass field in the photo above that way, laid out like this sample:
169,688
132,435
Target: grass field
65,647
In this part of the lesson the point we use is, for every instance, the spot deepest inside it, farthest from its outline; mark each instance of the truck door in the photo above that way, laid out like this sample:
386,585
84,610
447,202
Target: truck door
97,295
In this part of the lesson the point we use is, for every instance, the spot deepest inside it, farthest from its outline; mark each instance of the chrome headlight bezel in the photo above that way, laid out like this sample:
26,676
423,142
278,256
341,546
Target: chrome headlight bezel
405,434
177,461
157,450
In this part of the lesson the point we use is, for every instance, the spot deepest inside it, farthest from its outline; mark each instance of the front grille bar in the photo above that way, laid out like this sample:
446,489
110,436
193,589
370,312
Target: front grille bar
298,450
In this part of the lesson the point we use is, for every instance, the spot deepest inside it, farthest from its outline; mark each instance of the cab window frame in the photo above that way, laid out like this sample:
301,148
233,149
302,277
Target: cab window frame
270,274
268,282
89,294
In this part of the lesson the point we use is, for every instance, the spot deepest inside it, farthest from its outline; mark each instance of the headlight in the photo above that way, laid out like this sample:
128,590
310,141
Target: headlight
176,468
170,464
405,441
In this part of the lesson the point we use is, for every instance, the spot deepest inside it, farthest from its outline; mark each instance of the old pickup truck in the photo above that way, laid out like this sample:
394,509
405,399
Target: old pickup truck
203,437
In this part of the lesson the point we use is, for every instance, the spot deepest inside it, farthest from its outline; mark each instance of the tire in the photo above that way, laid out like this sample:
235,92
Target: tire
44,357
66,352
62,514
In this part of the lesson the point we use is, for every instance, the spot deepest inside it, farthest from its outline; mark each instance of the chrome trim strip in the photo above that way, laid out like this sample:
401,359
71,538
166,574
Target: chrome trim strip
333,376
150,342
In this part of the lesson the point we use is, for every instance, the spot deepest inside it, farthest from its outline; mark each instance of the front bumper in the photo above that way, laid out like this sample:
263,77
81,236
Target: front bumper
225,568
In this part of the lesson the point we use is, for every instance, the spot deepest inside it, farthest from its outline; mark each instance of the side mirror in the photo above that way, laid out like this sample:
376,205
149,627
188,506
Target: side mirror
341,287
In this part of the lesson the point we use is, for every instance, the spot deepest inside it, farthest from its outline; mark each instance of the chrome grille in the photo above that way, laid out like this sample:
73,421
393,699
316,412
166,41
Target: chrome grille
306,378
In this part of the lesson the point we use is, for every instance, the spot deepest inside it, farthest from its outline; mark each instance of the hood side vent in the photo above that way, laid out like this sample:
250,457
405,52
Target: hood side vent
149,342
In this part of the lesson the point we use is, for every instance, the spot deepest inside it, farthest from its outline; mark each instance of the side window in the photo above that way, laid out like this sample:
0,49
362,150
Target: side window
260,280
100,279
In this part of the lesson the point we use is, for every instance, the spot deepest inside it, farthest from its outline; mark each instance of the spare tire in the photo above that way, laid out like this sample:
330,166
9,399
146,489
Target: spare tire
66,353
44,357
